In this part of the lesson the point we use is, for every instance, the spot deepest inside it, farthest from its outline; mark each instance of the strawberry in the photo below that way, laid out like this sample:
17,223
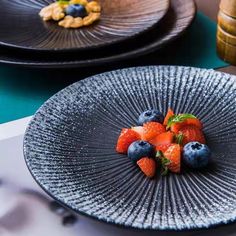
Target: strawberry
194,121
163,141
176,127
147,166
169,114
177,122
173,154
192,133
127,136
138,129
151,130
163,147
163,138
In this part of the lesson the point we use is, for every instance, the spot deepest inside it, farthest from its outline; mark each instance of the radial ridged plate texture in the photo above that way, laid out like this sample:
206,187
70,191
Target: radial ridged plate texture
21,25
69,148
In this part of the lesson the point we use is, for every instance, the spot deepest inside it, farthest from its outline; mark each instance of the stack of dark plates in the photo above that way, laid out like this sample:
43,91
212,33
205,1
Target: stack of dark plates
127,29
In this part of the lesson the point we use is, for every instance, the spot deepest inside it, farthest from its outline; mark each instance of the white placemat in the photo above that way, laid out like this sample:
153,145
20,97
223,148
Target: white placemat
25,208
13,128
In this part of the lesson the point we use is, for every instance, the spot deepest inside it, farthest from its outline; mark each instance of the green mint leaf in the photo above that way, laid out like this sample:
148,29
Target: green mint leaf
179,139
63,1
159,154
170,121
178,118
164,162
164,171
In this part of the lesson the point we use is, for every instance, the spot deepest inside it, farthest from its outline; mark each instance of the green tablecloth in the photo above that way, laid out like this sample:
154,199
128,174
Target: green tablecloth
22,91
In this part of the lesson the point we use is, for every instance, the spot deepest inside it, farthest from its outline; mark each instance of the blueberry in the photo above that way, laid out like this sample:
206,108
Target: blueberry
196,155
140,149
150,115
76,10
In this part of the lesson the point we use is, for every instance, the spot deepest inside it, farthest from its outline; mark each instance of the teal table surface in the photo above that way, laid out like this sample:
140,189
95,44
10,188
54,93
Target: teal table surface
23,91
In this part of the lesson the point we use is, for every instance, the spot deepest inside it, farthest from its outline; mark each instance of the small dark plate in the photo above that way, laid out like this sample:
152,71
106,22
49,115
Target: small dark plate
69,147
176,21
22,27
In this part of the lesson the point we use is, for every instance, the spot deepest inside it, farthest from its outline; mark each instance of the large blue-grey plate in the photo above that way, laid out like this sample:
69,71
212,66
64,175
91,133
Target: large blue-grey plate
69,148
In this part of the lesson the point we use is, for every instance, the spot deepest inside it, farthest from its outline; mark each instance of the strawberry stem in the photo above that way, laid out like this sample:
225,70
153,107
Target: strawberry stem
164,162
159,155
179,139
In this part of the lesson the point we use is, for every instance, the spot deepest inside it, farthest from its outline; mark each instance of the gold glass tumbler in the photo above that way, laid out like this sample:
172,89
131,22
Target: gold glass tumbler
226,31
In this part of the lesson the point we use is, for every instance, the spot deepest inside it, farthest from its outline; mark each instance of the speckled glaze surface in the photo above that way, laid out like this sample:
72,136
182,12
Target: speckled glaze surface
120,20
69,148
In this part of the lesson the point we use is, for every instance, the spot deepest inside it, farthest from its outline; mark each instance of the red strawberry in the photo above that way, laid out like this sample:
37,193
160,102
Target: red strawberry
127,136
163,147
176,127
163,138
173,154
147,166
194,121
168,115
151,130
163,141
138,129
191,133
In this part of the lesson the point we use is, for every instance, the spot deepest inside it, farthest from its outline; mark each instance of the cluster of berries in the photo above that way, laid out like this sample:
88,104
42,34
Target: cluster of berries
165,141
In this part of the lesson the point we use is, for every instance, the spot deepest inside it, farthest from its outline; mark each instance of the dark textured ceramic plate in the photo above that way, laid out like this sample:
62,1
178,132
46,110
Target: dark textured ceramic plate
179,17
120,20
69,148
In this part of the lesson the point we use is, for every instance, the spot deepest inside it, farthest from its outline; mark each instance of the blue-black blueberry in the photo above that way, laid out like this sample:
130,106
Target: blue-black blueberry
196,155
76,10
150,115
140,149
